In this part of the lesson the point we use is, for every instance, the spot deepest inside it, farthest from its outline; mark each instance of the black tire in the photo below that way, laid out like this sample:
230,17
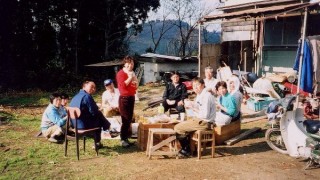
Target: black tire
275,141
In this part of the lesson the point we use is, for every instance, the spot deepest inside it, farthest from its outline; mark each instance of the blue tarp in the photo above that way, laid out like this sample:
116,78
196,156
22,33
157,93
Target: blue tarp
306,78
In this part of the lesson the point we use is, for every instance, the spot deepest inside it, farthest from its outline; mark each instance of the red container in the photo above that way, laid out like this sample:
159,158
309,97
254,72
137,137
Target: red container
188,84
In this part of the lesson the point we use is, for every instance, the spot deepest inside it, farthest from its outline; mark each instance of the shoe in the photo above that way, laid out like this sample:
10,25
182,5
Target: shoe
114,134
184,153
53,140
99,146
130,143
125,144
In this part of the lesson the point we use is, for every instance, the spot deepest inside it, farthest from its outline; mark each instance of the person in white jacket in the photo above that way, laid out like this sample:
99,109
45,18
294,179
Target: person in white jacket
204,108
110,99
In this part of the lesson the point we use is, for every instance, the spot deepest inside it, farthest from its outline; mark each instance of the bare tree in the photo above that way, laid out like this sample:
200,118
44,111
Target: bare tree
187,13
159,27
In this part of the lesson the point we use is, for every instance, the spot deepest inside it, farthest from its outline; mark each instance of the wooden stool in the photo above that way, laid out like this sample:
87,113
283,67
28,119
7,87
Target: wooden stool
202,137
152,149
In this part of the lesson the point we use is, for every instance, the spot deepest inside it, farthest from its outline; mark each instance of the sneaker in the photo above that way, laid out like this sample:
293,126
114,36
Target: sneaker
184,153
53,140
125,144
99,145
130,143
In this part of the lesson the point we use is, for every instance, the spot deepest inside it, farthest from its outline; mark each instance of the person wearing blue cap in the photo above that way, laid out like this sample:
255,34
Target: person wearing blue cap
110,99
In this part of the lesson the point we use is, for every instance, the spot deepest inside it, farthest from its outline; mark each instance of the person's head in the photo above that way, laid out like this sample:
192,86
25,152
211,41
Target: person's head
89,87
64,99
221,87
233,84
208,72
55,99
197,85
175,77
128,63
108,84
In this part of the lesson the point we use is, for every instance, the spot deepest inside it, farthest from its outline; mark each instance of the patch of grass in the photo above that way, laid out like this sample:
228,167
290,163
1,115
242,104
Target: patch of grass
24,98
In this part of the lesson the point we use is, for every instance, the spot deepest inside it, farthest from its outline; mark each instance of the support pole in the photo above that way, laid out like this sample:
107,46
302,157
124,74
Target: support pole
301,51
199,48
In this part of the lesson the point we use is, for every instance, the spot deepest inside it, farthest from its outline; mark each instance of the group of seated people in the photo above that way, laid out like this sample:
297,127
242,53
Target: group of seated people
114,102
217,103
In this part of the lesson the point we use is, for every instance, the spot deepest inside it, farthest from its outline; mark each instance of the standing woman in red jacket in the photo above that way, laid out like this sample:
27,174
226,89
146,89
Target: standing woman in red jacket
127,85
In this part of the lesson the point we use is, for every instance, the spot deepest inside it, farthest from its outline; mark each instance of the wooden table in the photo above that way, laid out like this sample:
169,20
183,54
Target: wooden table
143,131
222,133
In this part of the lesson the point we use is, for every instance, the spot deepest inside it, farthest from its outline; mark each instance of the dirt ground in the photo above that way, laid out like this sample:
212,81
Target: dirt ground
248,159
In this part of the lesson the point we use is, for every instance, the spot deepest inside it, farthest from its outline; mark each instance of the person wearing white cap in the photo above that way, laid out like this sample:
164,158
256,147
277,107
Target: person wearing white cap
110,99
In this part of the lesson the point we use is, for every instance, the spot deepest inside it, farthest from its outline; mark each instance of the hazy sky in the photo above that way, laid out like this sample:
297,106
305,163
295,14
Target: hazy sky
208,4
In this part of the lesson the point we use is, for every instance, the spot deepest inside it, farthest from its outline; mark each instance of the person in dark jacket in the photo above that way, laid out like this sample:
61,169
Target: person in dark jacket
90,116
175,94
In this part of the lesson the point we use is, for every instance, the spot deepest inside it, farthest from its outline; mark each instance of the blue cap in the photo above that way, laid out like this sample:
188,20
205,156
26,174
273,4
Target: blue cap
107,82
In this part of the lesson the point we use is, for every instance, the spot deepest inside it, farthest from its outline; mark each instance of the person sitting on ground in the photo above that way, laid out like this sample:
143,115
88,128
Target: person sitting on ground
226,104
175,94
233,89
64,103
204,108
210,81
52,120
110,99
90,116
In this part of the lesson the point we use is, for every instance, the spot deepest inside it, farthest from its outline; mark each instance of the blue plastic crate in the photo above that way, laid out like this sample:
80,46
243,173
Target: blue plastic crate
259,105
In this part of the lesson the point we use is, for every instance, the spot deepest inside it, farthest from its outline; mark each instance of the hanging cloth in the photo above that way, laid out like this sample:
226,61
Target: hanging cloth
315,49
306,81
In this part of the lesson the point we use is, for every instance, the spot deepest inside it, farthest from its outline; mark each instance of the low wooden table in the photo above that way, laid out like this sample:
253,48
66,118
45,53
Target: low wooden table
222,133
143,132
157,149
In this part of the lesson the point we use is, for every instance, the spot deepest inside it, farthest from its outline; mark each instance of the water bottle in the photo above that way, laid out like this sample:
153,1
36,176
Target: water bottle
160,109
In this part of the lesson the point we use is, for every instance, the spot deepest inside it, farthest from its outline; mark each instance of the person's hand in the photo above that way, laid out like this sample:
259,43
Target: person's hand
180,103
218,105
131,74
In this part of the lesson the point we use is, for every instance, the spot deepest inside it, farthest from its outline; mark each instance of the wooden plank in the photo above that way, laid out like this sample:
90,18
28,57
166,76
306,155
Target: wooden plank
242,136
246,120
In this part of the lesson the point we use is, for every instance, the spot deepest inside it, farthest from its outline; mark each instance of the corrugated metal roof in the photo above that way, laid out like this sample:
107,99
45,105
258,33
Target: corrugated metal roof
259,3
255,12
153,55
107,63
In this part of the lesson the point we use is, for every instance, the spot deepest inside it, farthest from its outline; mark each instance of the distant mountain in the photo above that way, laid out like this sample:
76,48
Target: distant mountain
140,43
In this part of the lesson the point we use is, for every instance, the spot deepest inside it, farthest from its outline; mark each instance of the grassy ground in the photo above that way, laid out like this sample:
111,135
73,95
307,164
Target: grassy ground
24,156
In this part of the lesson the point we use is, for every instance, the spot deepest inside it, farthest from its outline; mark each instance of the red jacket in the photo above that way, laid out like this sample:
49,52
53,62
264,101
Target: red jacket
125,90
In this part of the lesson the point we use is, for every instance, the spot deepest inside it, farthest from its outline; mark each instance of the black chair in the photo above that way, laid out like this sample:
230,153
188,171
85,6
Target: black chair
76,134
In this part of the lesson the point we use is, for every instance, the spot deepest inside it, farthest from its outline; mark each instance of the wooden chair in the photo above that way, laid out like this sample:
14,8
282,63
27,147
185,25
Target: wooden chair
75,133
201,138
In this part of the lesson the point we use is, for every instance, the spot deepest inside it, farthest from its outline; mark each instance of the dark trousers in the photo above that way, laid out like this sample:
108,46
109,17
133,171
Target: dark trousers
126,106
92,122
175,105
184,142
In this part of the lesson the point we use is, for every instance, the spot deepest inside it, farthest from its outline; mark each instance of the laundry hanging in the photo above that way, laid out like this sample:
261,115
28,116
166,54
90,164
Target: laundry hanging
306,81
